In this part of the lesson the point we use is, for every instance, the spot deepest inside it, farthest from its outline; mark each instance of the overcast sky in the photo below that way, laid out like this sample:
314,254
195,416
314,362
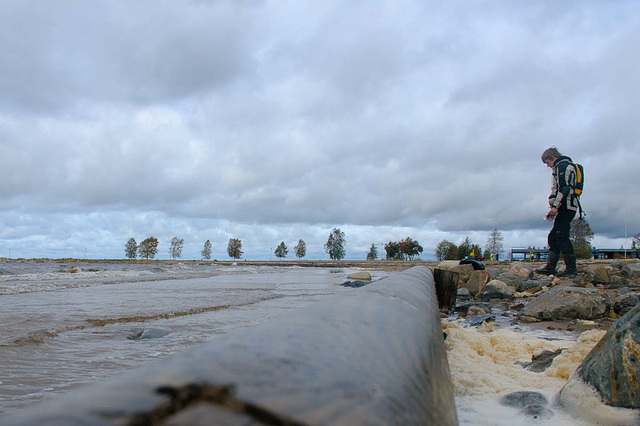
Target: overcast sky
279,120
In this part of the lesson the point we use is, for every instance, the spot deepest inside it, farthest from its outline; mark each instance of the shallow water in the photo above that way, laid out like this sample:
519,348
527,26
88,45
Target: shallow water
62,329
62,325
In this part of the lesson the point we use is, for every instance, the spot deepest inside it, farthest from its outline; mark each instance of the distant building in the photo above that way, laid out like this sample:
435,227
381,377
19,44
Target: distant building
543,253
615,253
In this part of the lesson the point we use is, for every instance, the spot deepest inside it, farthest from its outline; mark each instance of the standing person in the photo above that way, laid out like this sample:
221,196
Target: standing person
563,204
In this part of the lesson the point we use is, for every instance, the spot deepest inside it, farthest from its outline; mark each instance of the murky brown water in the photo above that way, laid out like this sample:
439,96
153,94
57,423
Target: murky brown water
62,329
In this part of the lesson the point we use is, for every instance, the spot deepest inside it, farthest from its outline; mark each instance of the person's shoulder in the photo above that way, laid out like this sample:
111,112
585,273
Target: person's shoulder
563,162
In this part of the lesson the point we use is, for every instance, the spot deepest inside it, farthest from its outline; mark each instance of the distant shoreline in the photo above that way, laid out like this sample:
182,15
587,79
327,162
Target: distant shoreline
382,265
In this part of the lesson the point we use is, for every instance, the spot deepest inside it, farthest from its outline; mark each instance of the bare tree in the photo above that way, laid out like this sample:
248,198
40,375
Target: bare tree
175,250
494,243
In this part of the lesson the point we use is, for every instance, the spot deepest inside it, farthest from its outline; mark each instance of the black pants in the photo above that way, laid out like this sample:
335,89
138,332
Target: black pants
559,236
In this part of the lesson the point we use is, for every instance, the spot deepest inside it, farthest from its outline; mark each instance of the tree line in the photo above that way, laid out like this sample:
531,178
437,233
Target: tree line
406,249
148,248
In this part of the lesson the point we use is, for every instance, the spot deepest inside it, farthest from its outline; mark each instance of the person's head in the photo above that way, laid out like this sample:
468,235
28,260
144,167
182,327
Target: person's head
550,155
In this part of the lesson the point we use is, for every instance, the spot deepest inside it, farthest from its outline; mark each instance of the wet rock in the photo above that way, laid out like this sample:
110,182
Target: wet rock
360,276
463,294
354,284
542,361
148,333
511,280
625,302
477,281
477,310
537,411
478,320
517,307
521,399
613,365
496,289
568,302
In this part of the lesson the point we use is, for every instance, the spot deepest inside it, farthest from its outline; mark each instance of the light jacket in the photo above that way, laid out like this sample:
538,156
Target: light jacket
563,183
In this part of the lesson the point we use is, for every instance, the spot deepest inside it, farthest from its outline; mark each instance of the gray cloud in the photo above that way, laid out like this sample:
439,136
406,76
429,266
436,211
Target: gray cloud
277,119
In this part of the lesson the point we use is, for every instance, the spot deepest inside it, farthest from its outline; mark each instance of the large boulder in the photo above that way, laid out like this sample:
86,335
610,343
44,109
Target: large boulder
612,368
599,274
361,276
477,281
519,270
624,302
567,302
529,284
465,271
631,270
496,289
511,280
494,272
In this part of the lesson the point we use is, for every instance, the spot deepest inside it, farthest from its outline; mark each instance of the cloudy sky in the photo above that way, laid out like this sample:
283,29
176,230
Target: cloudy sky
279,120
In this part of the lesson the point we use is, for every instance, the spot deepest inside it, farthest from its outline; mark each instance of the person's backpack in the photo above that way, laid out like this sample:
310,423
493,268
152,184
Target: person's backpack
579,185
579,179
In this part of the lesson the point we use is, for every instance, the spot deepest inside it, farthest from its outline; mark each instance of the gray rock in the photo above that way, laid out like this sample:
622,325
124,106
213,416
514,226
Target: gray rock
625,302
567,302
623,291
494,272
463,294
478,320
617,265
496,289
612,366
354,284
631,270
617,281
601,275
529,284
511,280
477,281
521,399
536,411
465,271
148,333
360,276
543,360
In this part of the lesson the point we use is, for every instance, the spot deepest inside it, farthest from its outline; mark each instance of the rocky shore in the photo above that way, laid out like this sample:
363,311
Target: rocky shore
602,296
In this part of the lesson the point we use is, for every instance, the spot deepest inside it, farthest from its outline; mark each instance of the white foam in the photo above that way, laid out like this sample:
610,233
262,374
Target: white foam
483,367
584,401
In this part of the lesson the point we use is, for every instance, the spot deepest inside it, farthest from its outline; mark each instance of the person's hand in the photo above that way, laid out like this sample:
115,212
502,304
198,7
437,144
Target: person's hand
552,213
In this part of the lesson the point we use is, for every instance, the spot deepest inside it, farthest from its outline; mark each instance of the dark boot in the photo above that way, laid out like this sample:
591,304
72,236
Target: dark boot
550,267
571,270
